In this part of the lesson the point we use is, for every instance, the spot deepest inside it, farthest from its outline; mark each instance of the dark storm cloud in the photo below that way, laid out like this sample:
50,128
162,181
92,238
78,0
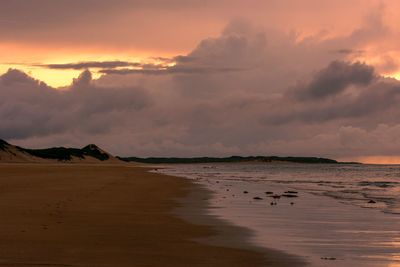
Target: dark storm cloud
371,95
335,78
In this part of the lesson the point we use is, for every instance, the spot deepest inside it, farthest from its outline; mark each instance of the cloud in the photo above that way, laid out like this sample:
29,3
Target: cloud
90,24
355,95
164,66
247,91
90,64
171,70
335,78
349,51
30,108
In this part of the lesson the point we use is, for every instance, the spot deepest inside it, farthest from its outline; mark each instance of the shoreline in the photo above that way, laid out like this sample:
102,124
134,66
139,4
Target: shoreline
195,207
114,215
321,230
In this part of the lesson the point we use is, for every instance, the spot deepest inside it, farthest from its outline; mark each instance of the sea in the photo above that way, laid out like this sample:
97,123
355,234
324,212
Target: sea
329,214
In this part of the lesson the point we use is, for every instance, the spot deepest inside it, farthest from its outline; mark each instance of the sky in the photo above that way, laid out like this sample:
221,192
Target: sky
203,77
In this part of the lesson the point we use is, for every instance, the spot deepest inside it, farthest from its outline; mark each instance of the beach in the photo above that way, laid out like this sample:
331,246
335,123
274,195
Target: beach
115,215
330,215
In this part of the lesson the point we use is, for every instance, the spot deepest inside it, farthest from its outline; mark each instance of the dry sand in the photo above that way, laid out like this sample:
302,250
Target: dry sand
87,215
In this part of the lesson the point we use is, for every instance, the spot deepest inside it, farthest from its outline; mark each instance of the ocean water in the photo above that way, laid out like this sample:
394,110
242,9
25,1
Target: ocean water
340,215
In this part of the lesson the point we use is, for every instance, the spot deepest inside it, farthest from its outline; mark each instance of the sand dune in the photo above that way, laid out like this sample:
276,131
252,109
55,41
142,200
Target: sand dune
89,154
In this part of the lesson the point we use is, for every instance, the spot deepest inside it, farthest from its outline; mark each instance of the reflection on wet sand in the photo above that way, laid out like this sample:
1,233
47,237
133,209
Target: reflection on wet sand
328,231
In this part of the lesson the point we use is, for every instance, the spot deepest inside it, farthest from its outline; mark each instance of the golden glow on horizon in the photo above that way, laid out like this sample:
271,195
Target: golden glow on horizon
21,57
377,159
394,75
53,77
64,77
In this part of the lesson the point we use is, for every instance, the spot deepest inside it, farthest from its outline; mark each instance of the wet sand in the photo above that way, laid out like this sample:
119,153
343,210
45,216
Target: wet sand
324,231
77,215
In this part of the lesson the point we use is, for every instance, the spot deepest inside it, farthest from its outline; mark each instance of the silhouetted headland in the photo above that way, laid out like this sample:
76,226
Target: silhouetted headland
234,159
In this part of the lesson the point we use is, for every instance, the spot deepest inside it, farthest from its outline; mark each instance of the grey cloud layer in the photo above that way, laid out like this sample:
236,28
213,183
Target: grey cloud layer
335,78
89,23
244,92
31,108
126,67
90,64
170,70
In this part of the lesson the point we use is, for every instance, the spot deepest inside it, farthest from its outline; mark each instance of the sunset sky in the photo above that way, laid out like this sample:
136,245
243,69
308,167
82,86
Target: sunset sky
210,77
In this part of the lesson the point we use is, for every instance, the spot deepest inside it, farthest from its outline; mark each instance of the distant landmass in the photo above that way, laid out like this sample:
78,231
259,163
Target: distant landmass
233,159
93,154
88,154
